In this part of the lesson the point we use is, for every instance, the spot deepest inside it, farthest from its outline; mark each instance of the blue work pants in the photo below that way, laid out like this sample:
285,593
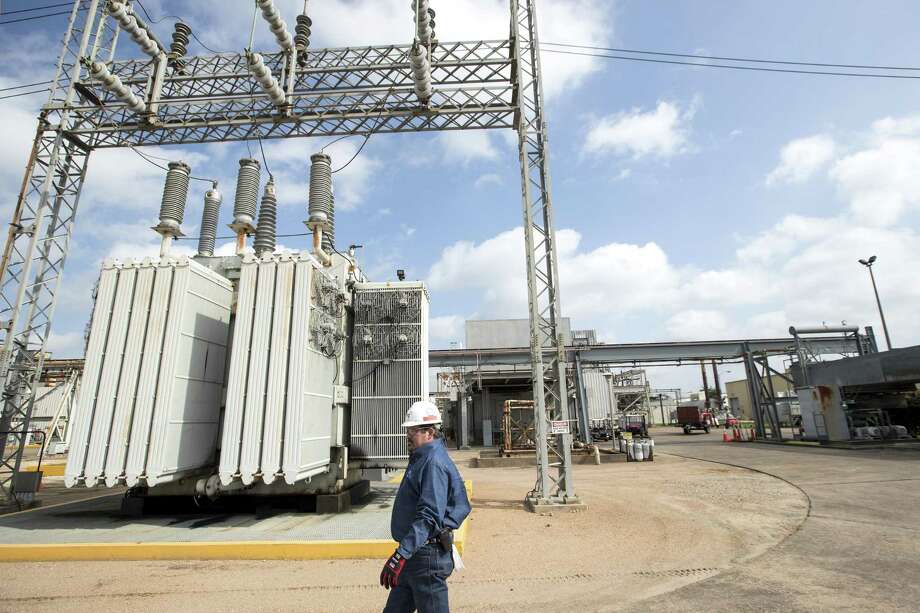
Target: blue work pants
422,583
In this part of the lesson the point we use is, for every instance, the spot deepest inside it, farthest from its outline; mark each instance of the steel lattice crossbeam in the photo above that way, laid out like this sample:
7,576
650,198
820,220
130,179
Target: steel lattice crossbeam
215,98
351,90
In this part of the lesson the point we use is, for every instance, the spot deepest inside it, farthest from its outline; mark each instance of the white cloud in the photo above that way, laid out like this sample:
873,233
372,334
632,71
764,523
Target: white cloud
467,146
590,280
800,272
487,180
444,329
697,324
66,345
882,182
662,132
800,159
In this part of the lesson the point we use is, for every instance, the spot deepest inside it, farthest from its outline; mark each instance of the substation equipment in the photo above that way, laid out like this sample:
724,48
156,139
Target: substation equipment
168,97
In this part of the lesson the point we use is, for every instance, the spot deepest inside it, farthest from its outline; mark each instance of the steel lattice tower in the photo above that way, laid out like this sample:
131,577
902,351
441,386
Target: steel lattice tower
216,98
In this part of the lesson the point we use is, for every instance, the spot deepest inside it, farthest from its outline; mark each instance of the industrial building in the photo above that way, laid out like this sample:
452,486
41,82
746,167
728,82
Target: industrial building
738,396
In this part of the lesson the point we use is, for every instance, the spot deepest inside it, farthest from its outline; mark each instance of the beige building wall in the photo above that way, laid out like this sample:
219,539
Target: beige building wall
739,394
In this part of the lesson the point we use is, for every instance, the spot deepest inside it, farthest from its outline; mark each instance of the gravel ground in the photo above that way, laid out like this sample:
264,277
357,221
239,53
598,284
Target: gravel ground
650,528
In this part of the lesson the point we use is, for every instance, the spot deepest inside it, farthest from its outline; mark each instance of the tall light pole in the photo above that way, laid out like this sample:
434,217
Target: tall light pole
868,264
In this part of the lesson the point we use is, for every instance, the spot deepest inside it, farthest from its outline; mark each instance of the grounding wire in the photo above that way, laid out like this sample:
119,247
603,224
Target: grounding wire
148,156
732,59
730,67
264,160
180,20
367,136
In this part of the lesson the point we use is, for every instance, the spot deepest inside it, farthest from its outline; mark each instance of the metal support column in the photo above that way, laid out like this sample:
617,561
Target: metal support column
546,344
705,383
715,377
39,236
583,422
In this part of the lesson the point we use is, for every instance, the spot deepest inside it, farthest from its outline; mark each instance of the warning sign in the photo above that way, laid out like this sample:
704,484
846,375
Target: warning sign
559,427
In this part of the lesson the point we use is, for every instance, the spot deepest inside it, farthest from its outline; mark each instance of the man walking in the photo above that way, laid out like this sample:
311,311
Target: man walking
431,503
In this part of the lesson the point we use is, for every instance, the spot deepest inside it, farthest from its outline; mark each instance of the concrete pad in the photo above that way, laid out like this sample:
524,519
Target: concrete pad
96,529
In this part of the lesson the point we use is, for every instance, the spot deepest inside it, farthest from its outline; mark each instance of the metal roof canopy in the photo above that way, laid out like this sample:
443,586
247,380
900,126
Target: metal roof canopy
635,353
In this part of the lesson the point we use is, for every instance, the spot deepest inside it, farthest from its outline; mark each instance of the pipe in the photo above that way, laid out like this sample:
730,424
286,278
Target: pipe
318,252
827,329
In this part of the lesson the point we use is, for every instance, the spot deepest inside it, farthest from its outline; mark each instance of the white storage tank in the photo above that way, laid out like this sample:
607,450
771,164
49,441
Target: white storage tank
149,405
278,417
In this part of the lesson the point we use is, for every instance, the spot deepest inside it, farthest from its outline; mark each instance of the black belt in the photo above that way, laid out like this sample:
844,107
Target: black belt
444,540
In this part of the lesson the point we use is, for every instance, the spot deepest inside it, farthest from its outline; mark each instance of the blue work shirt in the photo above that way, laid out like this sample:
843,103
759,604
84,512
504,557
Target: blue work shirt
431,497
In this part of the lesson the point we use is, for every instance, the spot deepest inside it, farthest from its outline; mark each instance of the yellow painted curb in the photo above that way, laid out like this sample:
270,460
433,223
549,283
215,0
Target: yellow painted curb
48,470
231,550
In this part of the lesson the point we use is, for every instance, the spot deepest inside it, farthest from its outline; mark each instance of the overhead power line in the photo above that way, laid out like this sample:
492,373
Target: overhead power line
6,89
731,59
21,19
37,8
871,75
38,91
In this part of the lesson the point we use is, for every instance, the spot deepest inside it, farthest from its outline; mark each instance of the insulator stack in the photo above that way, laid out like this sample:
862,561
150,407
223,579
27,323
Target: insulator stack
421,72
268,219
128,22
175,192
423,28
302,37
329,234
431,24
113,84
209,219
247,191
322,205
276,24
179,46
264,76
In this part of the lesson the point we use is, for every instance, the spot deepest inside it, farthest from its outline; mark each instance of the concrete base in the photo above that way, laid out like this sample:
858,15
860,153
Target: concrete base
341,502
543,506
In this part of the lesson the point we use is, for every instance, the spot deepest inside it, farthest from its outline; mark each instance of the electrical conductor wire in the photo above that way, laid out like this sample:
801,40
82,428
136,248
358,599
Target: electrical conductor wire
731,59
729,66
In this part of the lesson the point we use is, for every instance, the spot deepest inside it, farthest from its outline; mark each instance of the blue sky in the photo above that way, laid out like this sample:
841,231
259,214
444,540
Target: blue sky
691,203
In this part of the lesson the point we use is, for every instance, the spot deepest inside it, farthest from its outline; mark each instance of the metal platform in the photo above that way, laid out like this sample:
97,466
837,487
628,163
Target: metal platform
96,529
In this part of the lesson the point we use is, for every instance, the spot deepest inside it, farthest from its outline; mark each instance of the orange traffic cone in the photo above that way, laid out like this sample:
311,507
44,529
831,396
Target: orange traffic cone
725,438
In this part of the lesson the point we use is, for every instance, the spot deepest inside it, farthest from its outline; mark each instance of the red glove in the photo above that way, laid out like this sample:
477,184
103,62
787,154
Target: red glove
389,576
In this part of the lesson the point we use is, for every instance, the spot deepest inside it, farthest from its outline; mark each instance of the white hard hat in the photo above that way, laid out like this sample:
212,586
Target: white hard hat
422,413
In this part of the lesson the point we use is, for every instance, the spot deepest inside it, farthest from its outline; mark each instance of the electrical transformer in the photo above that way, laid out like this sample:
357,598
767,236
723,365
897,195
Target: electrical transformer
149,406
283,368
389,368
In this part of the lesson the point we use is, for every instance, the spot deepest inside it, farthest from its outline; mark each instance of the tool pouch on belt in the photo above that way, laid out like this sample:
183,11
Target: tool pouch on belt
446,540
